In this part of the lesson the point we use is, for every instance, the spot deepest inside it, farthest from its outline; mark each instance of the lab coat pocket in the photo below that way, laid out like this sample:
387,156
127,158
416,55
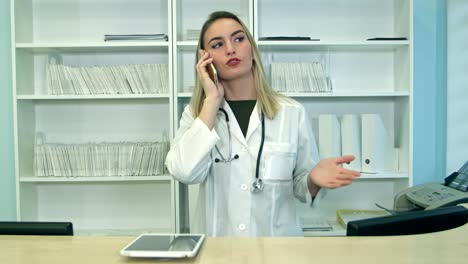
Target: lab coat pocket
279,161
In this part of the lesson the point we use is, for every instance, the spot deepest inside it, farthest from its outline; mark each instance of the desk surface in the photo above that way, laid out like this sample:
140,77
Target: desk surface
446,247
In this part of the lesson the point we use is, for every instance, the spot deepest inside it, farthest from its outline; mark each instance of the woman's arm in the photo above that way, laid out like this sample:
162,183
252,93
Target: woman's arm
311,173
307,158
189,158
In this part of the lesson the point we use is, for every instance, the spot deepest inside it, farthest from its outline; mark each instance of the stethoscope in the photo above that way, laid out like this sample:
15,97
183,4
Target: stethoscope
257,185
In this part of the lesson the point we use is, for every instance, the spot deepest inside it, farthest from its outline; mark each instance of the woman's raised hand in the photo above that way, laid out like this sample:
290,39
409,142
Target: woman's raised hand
329,174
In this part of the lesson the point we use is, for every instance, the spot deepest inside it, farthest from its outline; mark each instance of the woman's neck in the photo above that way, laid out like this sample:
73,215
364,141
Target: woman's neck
240,89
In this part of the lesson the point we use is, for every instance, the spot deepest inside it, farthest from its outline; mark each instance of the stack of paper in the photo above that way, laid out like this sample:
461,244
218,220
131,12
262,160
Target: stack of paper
299,77
343,216
192,34
315,224
100,159
121,79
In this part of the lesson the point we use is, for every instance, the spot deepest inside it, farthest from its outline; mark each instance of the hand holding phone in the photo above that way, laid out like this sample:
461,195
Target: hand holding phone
205,66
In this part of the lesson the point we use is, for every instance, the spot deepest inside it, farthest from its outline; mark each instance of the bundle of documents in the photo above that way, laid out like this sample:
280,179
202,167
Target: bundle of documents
100,159
299,77
192,34
343,216
315,224
122,79
135,37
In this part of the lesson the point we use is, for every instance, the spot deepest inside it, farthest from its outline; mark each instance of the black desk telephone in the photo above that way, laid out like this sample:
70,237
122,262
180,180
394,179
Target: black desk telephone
434,195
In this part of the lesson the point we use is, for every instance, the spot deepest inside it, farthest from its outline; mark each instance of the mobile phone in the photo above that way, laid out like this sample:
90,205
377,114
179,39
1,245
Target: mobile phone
212,73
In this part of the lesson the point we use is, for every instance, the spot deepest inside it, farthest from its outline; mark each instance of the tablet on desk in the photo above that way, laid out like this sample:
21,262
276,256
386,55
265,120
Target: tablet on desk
164,246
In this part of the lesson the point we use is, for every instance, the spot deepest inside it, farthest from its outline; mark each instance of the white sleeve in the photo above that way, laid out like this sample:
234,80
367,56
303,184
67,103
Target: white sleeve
307,158
189,159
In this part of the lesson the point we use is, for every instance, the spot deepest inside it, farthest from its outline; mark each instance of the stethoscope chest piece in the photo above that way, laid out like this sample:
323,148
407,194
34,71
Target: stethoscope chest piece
257,186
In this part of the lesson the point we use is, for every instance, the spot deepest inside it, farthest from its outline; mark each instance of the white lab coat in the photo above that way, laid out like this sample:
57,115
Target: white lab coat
226,205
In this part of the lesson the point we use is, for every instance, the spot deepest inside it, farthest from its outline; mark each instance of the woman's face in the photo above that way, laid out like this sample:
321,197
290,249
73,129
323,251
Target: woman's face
228,45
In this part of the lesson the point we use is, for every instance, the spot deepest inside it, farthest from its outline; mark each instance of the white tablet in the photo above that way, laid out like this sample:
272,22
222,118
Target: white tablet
164,246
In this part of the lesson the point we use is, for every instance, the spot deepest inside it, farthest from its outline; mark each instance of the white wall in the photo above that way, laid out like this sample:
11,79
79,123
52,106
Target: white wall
457,84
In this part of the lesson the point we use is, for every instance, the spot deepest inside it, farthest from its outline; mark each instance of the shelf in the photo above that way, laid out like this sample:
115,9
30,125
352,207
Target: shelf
185,95
97,179
92,97
333,45
187,45
383,175
317,45
332,94
350,94
139,46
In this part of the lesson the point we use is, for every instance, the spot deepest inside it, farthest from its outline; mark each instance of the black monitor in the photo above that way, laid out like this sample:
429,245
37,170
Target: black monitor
418,222
36,228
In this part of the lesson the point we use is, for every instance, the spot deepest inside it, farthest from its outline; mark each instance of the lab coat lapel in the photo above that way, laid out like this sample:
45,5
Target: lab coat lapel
235,128
254,122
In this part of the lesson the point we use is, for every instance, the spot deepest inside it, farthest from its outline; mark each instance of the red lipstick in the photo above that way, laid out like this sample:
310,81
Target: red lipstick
233,62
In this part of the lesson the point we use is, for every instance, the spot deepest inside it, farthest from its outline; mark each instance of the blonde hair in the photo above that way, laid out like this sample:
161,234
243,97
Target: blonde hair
267,98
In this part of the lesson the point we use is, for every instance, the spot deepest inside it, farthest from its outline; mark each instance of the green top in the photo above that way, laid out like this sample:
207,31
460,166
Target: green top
242,109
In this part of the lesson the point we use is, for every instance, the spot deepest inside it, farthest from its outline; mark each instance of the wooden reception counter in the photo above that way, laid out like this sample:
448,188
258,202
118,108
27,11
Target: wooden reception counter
445,247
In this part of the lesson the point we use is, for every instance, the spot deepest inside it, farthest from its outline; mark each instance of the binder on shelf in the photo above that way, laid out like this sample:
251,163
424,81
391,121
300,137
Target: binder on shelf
329,136
374,143
351,140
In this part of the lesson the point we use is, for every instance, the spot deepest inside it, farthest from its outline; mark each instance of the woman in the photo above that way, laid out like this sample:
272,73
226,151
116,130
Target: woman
251,149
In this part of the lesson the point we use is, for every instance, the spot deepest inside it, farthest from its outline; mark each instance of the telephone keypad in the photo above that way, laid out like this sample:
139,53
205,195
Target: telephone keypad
461,181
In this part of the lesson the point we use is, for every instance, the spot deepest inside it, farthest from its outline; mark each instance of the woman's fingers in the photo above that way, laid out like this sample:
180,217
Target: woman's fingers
344,159
337,184
209,86
342,177
203,60
345,174
201,67
202,63
350,172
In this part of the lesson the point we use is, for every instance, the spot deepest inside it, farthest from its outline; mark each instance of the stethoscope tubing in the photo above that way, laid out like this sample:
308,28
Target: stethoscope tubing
258,185
260,149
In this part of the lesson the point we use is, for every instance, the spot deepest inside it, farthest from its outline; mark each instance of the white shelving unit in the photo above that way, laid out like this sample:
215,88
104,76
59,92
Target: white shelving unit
73,31
367,77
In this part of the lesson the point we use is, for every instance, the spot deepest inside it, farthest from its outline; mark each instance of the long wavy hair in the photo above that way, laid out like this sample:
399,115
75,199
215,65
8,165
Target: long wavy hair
267,98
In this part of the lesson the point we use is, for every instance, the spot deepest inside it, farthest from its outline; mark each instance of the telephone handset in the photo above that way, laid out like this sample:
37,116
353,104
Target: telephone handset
434,195
212,73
